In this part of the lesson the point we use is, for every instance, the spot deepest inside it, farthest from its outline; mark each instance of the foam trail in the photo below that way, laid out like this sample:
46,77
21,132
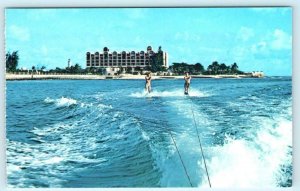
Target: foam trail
174,93
244,163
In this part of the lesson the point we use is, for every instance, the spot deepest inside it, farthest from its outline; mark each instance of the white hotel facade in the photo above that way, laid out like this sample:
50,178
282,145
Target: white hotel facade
123,61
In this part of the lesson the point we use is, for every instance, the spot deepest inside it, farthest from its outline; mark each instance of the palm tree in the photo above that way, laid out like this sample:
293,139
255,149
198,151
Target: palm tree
223,68
199,68
33,68
157,61
77,68
215,67
228,69
210,69
234,67
12,60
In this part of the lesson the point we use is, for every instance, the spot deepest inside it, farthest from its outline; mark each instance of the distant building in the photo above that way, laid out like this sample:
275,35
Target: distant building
123,61
257,74
69,63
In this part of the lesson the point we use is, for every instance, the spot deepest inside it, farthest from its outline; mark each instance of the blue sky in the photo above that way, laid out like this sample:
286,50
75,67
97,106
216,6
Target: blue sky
257,39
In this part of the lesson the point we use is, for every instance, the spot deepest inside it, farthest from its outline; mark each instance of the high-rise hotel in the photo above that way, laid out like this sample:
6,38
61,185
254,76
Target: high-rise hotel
122,61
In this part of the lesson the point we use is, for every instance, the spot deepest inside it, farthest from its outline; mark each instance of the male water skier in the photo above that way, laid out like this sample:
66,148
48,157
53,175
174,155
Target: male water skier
187,82
148,82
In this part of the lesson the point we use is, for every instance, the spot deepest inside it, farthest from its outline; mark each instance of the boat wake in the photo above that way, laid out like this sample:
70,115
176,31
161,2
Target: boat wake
252,163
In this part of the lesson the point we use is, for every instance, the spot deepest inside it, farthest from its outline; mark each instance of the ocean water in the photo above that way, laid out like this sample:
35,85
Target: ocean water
109,133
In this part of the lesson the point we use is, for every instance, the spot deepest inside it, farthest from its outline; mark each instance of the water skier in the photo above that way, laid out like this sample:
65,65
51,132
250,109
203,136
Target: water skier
187,82
148,82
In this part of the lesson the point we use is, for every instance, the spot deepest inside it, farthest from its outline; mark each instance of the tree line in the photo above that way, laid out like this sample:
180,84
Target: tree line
76,69
198,68
12,60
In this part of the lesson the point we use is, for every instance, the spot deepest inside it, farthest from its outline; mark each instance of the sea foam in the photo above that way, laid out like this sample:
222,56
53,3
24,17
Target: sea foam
243,163
61,102
174,93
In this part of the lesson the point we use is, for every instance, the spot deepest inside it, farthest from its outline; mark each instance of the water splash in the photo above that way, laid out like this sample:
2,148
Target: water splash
245,163
174,93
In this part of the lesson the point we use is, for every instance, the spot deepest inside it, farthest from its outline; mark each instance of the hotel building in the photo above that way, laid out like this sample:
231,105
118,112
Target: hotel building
123,61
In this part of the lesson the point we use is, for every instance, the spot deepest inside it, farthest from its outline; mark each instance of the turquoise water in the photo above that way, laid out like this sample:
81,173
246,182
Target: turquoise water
109,133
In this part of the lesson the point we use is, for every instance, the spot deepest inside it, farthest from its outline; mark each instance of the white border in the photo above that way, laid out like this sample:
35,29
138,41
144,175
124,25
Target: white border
158,3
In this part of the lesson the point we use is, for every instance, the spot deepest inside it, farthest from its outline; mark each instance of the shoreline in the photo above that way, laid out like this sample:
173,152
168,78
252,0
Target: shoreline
11,77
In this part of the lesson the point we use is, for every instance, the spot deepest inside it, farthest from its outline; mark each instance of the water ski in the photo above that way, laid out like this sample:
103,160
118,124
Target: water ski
186,93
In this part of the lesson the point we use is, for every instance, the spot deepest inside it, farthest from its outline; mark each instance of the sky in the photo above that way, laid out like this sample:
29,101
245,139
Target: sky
257,39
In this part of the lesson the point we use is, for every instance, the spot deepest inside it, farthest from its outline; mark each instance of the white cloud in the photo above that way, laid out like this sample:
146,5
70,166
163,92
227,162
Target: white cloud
259,47
281,40
19,33
245,33
276,40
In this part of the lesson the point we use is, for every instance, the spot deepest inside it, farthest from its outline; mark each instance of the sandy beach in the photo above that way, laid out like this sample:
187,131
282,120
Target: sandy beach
103,77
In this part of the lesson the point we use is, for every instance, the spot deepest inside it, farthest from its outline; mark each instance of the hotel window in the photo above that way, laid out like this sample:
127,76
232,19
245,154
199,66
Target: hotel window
88,56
